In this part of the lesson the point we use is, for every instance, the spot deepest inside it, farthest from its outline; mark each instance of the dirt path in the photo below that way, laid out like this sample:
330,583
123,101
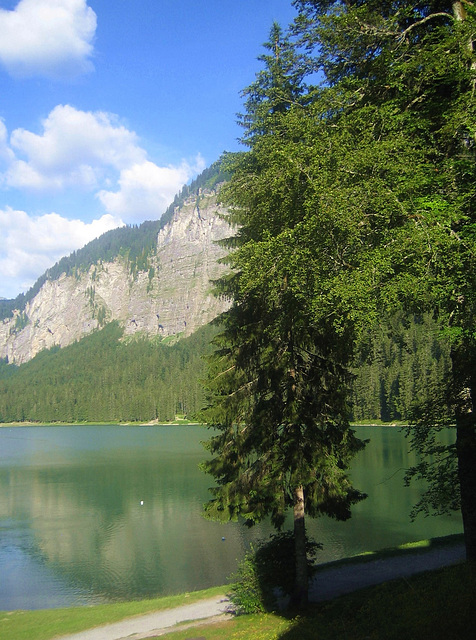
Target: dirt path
329,583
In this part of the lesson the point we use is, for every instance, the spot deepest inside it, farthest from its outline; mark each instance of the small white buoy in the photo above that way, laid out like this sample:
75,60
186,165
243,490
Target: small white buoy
142,502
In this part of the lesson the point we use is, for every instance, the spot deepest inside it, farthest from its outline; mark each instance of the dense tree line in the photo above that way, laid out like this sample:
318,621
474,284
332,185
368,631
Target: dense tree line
102,378
399,364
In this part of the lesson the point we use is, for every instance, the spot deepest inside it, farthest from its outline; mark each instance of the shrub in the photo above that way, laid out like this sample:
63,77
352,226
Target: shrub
268,572
246,588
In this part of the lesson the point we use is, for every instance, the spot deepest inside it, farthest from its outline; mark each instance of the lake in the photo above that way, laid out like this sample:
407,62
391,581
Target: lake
98,514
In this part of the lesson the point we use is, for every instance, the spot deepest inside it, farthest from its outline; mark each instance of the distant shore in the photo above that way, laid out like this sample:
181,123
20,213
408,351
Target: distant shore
156,423
152,423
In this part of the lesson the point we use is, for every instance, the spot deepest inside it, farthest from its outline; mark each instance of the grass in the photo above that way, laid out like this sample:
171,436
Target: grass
48,623
401,550
438,605
431,606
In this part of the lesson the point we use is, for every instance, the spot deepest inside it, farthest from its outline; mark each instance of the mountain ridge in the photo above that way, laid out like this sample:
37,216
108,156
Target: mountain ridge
160,288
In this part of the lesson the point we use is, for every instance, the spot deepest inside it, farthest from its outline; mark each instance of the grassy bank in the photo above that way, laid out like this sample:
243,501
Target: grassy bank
450,593
45,624
438,605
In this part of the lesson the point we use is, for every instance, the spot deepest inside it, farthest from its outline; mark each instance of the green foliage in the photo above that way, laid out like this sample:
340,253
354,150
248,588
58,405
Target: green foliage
399,173
101,378
246,591
277,87
6,370
398,365
276,564
268,572
21,321
279,379
400,362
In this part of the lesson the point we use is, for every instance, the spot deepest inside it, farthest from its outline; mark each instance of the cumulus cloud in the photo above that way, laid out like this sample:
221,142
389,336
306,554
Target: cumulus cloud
30,245
6,154
77,153
145,189
52,38
75,148
93,151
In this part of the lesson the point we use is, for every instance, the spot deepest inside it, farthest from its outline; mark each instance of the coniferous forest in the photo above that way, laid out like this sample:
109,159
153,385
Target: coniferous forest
355,205
102,378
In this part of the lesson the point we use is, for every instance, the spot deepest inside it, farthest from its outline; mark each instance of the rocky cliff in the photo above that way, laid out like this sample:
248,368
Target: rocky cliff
172,298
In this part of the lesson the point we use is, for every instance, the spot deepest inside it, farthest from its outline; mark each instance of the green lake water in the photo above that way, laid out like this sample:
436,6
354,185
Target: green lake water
96,514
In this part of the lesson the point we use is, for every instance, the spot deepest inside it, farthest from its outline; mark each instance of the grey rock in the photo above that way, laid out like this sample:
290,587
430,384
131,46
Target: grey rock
174,302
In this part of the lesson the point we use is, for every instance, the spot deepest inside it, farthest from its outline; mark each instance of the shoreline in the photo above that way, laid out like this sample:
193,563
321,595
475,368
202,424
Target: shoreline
149,618
173,423
152,423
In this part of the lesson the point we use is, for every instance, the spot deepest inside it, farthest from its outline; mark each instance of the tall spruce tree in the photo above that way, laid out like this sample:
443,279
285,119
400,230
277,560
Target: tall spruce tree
278,381
411,69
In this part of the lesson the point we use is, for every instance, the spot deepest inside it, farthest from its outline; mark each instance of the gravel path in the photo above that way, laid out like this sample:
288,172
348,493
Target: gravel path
151,623
329,583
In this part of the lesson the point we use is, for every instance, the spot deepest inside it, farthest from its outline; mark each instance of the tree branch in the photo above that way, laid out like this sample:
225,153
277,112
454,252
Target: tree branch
402,36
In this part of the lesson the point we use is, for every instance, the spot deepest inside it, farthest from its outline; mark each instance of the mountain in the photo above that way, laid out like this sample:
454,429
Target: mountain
153,281
117,331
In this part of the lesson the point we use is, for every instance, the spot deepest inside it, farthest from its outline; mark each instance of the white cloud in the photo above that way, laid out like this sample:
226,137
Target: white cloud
145,189
80,154
75,148
52,38
93,151
6,154
30,245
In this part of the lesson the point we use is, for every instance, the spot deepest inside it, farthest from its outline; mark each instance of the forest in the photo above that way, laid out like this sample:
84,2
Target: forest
355,207
106,379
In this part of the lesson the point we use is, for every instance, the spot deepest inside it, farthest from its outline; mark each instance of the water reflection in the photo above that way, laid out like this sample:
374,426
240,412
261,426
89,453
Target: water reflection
94,514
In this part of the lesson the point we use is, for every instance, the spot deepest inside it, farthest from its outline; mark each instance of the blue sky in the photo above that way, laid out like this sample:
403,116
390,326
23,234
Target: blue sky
107,107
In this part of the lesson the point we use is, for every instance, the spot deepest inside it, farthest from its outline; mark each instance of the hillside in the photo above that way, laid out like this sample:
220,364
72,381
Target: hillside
153,280
117,330
107,379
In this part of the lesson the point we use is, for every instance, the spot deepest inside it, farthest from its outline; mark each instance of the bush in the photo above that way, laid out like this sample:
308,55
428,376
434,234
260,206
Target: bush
268,572
246,588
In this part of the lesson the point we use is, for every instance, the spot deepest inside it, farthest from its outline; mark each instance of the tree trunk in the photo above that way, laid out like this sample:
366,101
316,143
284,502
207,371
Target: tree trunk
299,598
466,449
464,376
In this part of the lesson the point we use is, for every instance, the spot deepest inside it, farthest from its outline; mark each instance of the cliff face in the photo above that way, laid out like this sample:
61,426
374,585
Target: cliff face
172,298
